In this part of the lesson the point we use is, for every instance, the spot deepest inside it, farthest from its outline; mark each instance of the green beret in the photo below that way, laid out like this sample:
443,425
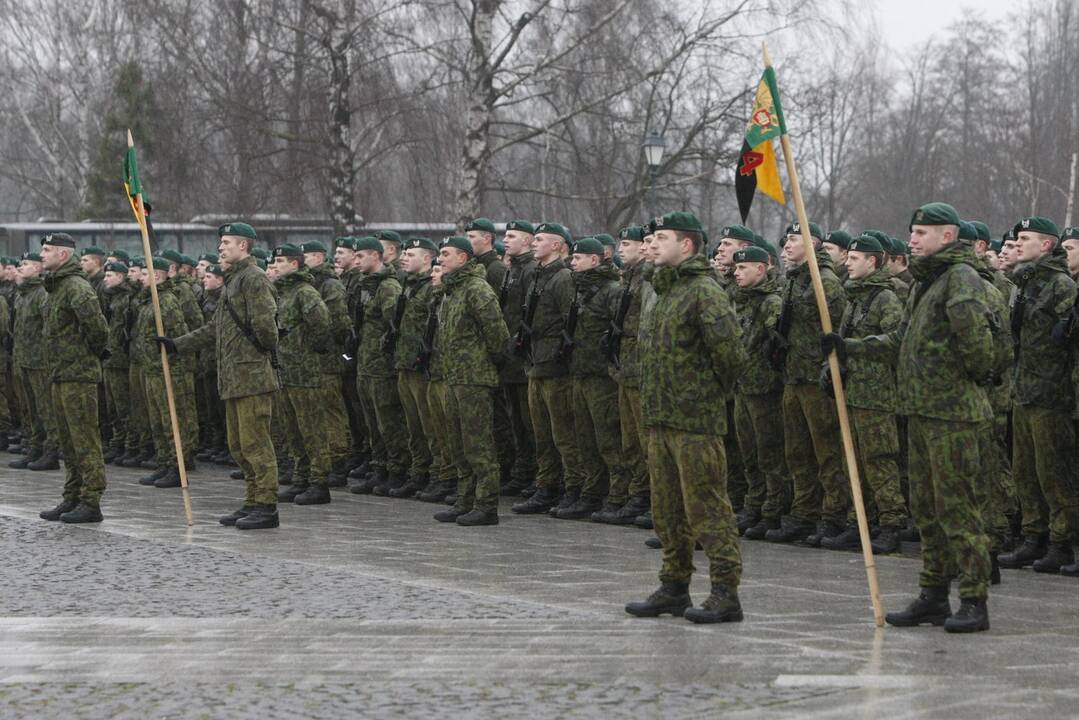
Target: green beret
260,263
58,240
120,255
1070,233
260,253
814,230
982,230
314,246
216,270
867,244
499,247
188,260
7,260
368,242
738,232
1008,235
237,228
522,226
161,263
388,235
588,246
996,245
290,250
901,246
759,241
138,261
116,267
967,231
605,239
211,258
345,241
840,238
482,224
172,256
632,232
459,242
555,229
751,254
679,220
31,256
934,213
1037,224
423,243
94,250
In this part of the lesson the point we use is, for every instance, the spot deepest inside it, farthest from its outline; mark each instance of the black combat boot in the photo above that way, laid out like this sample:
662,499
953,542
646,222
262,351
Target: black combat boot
529,490
824,530
541,502
1033,548
49,460
25,460
288,493
1070,570
654,543
994,569
261,517
171,479
886,541
514,487
721,606
231,519
313,495
153,477
410,487
910,534
789,530
671,598
435,492
474,518
568,498
972,616
236,474
758,531
581,508
82,513
636,506
360,471
450,514
286,466
367,485
126,460
54,514
608,514
110,455
849,539
393,481
206,454
644,520
931,606
1059,555
747,518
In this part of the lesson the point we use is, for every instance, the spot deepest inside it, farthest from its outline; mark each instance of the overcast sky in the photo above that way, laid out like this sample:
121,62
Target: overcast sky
901,20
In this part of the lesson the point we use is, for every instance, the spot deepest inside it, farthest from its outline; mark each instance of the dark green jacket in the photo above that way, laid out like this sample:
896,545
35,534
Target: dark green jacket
1043,368
627,371
417,295
207,356
147,352
243,369
512,294
378,296
872,309
758,309
472,335
183,288
554,284
31,350
944,349
75,328
803,355
119,344
334,294
493,268
303,323
1000,394
597,296
695,354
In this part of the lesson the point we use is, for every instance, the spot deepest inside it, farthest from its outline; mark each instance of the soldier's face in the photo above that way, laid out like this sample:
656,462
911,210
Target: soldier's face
451,259
794,250
1071,246
112,279
994,259
1031,246
648,248
481,241
89,264
860,264
670,250
630,250
212,282
314,259
926,240
232,248
53,256
201,268
726,250
517,242
1007,255
547,246
436,275
344,258
416,260
368,261
28,269
749,274
283,266
389,251
838,254
585,261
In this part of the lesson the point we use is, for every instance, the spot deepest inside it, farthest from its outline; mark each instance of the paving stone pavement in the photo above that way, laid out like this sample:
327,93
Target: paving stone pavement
368,608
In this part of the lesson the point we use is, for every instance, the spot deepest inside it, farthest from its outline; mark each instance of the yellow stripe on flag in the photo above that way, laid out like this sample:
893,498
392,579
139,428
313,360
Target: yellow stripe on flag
768,180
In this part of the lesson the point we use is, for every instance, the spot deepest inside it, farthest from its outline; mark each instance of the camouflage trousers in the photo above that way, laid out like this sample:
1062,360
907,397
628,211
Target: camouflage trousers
946,504
118,400
470,410
37,386
214,432
75,405
442,466
690,503
599,435
357,425
998,498
876,445
739,468
337,427
412,389
1043,465
503,435
558,459
385,422
7,395
247,420
157,406
515,396
758,422
634,481
304,410
138,420
813,454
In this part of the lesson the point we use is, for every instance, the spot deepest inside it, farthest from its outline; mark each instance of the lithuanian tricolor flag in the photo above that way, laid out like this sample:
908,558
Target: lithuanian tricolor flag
757,165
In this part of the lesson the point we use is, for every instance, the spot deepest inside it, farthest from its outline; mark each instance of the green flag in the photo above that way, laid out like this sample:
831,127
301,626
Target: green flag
131,173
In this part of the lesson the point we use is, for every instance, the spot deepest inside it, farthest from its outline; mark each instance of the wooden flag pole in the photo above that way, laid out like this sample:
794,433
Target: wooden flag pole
140,216
837,380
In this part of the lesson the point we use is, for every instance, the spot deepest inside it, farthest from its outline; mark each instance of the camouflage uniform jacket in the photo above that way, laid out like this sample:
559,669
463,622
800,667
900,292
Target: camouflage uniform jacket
554,285
31,350
944,348
434,367
900,288
207,357
872,309
378,298
471,334
1043,368
172,318
303,323
185,295
695,353
758,309
493,267
75,328
417,296
803,355
243,369
334,294
628,370
512,295
597,296
118,300
1000,394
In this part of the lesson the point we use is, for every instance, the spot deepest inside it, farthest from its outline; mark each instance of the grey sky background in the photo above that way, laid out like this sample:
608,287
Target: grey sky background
903,23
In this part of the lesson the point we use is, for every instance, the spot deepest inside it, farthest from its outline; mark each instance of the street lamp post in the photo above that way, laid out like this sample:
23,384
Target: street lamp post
654,145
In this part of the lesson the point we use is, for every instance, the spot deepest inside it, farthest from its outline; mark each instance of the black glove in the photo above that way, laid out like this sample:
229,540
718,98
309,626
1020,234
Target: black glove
833,341
499,361
826,385
167,343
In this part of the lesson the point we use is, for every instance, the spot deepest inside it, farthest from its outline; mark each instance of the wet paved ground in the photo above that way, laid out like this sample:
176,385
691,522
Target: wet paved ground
367,607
